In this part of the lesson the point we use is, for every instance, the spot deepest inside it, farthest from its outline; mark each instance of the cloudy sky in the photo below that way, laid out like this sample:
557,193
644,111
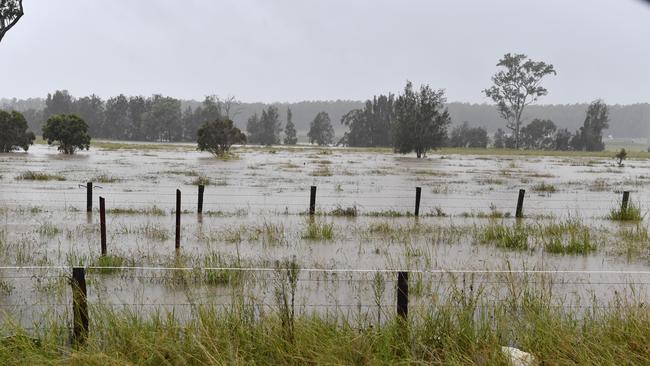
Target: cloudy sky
281,50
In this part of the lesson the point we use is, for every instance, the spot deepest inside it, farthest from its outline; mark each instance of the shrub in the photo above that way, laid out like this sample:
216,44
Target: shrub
218,136
69,131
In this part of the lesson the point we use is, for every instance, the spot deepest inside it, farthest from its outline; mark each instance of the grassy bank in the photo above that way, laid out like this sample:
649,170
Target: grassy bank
465,330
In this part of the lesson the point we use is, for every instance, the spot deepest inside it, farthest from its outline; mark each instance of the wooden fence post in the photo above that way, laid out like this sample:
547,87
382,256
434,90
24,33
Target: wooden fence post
200,208
520,204
102,223
312,201
625,202
178,219
403,295
89,197
79,306
418,194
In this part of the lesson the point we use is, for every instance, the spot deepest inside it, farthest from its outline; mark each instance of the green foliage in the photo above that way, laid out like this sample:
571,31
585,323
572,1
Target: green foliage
372,125
506,237
466,136
539,134
264,130
320,130
161,122
516,86
42,176
631,213
590,136
69,131
544,188
10,12
218,136
319,231
290,130
14,134
420,121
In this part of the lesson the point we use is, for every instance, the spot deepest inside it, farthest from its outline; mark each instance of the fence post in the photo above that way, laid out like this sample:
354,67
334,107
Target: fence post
89,197
79,306
520,204
201,189
626,200
403,295
312,201
102,223
178,219
418,194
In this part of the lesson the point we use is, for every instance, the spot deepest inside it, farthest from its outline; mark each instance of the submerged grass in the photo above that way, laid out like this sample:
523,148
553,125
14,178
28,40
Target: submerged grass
631,213
40,176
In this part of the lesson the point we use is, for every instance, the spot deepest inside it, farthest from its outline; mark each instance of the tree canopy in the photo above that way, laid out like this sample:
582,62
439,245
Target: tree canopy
69,131
290,130
320,130
264,129
14,134
10,13
218,136
467,136
517,85
590,136
421,120
371,125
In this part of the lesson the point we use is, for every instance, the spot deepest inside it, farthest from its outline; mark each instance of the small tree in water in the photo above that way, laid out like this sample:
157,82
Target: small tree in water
620,156
69,131
290,130
218,136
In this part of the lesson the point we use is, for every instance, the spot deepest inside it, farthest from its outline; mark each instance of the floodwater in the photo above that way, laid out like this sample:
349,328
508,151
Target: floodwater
255,216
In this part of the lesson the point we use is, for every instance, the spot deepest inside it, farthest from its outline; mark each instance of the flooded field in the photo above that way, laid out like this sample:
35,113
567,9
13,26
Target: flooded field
568,245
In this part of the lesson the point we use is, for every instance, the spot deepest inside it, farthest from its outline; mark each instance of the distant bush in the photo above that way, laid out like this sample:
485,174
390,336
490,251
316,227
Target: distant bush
218,136
69,131
466,136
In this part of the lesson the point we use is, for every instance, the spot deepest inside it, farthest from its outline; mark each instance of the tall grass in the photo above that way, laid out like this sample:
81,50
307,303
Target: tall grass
631,213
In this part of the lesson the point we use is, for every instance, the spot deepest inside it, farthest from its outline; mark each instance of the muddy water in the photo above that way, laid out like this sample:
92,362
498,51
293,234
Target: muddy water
45,223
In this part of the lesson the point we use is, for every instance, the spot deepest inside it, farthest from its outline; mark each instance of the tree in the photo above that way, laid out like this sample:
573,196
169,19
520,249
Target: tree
562,139
590,136
70,131
270,126
162,122
218,136
620,157
538,135
10,13
320,130
61,102
118,122
14,134
290,130
517,86
420,120
466,136
91,110
253,129
372,125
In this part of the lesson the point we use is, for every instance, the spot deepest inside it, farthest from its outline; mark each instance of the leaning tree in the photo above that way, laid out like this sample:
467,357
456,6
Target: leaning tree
10,12
517,85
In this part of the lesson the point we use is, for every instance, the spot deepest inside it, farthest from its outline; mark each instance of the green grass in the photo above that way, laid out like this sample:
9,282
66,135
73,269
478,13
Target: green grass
108,261
40,176
544,187
503,236
631,213
347,211
202,180
577,243
150,211
451,332
321,171
318,231
105,178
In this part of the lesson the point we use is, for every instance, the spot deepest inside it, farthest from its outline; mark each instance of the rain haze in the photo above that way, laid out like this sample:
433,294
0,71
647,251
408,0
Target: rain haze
271,51
329,182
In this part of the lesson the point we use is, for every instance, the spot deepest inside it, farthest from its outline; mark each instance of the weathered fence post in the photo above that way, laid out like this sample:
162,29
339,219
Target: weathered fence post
520,204
79,306
418,194
200,208
102,223
312,201
178,219
625,202
403,295
89,197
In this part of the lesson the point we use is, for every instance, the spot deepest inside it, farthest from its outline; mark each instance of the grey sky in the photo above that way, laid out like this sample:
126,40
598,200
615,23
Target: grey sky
264,50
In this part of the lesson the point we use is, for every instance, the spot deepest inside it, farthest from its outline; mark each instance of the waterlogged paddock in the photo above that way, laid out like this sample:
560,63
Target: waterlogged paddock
254,216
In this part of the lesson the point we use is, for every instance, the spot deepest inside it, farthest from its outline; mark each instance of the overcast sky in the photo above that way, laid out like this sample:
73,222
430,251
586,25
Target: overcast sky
267,50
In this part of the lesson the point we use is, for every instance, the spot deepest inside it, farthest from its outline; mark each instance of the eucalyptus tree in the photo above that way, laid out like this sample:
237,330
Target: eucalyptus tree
10,13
